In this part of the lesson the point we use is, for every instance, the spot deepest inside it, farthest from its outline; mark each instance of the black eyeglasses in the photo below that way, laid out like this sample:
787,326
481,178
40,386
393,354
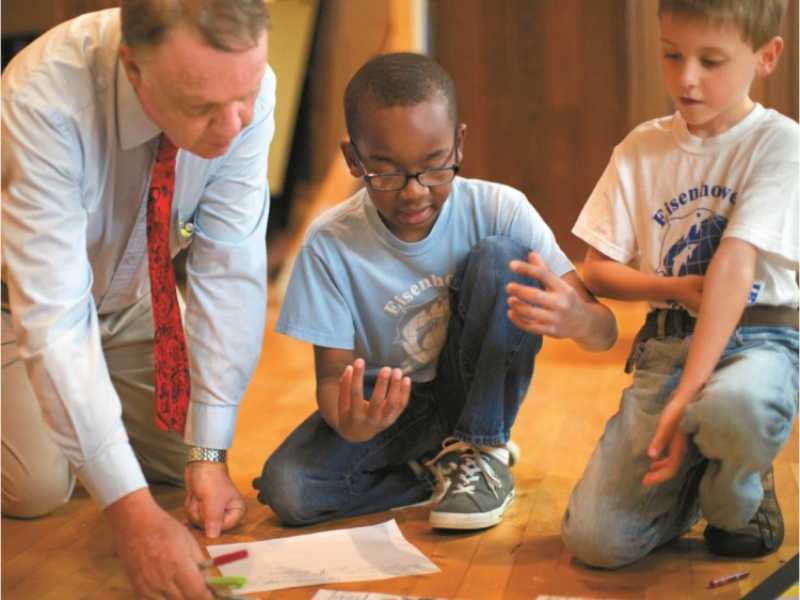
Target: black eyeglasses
394,182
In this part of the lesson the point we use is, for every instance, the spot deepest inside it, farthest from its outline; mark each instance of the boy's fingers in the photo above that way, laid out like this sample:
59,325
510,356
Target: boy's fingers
530,295
345,382
378,400
381,384
532,325
357,385
536,269
398,397
667,425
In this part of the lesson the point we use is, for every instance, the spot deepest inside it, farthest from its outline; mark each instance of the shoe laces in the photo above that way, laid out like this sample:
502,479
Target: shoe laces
470,467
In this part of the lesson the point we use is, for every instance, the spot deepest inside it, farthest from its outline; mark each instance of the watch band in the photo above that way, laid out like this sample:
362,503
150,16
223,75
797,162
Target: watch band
198,454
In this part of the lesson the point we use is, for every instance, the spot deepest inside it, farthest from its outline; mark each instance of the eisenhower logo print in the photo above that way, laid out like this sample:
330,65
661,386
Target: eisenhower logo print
422,332
687,250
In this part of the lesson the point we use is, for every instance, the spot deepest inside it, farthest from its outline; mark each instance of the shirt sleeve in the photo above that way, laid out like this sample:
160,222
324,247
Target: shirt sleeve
767,210
227,280
605,222
528,227
314,309
49,279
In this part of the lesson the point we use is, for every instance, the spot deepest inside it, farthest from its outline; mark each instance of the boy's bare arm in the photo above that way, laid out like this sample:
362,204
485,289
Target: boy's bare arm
329,364
727,286
340,394
562,308
728,282
607,278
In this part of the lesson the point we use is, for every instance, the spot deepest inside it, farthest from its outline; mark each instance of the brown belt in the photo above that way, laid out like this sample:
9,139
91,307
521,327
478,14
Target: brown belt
664,322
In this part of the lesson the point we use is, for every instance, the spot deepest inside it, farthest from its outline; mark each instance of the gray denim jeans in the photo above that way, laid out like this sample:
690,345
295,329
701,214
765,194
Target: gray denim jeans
737,426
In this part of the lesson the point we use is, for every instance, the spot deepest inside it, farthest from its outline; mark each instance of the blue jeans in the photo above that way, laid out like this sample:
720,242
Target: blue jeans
483,374
737,425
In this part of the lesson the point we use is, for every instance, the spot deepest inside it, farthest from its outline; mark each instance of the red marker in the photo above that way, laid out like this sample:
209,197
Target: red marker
719,581
223,559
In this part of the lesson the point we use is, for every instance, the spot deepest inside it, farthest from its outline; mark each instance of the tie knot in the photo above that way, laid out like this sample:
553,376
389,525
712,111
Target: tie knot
166,149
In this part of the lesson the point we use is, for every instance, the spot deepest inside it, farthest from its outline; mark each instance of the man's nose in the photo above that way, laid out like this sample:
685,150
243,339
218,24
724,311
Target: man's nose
231,119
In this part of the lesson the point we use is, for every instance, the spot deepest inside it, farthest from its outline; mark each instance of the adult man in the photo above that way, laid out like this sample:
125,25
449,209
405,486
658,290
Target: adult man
87,108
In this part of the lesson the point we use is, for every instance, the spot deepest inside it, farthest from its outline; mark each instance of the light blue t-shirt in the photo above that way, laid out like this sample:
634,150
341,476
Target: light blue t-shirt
356,286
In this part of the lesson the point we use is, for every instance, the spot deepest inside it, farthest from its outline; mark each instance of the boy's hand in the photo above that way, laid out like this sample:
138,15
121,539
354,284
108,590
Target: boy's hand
360,420
668,434
690,291
556,310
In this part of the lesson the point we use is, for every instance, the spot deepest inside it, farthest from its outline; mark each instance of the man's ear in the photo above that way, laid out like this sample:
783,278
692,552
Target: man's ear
461,135
768,56
346,147
130,64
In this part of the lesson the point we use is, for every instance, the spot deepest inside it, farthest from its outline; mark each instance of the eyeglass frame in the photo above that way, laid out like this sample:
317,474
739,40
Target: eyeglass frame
367,176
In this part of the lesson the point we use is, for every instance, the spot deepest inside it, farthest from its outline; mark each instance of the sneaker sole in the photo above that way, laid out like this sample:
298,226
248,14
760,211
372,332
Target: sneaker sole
513,452
443,520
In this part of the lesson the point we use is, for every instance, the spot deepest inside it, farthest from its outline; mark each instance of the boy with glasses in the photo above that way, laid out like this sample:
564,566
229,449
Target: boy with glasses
425,296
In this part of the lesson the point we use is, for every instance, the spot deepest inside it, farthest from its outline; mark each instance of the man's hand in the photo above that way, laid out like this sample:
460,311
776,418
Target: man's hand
556,310
668,435
360,420
159,554
213,502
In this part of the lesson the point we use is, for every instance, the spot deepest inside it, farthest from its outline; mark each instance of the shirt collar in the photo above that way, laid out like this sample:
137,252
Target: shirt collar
134,127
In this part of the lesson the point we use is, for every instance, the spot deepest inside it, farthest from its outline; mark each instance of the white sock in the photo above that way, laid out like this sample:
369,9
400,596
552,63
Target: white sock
501,453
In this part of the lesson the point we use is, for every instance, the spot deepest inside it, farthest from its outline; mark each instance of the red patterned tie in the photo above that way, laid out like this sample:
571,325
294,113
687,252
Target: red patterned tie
170,356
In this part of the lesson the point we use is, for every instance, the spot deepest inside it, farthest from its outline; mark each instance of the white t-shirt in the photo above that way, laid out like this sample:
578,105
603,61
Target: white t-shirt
667,199
355,285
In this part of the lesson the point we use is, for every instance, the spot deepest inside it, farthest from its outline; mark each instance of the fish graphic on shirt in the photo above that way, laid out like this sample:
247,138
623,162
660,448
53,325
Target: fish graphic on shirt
687,250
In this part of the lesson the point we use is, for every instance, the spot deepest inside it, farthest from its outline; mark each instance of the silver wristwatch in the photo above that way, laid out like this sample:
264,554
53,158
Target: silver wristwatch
198,454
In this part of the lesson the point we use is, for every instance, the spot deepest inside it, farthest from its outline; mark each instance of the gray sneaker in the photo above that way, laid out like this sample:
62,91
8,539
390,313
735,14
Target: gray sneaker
477,487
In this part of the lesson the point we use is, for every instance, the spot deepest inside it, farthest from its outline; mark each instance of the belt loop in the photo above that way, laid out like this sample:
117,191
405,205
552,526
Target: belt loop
661,323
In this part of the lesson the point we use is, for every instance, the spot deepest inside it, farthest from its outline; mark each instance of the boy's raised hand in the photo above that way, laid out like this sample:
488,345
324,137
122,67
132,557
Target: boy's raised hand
557,310
359,420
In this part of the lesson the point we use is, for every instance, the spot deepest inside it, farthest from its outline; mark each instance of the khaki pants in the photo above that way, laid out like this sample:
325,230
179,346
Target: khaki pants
36,477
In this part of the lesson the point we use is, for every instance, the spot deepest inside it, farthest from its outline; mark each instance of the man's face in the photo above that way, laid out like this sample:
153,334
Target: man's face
199,96
406,139
708,70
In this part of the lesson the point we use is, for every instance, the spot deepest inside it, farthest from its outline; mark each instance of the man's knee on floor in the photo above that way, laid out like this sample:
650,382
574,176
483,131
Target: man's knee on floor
599,546
27,496
281,488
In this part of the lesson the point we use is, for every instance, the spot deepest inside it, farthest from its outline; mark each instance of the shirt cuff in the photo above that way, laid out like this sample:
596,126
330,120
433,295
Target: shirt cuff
112,474
210,425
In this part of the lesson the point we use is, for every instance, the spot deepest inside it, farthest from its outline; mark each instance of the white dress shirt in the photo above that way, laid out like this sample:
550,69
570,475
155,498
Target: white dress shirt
77,152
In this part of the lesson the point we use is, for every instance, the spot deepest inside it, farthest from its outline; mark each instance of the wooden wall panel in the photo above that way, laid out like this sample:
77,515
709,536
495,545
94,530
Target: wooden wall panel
648,97
542,88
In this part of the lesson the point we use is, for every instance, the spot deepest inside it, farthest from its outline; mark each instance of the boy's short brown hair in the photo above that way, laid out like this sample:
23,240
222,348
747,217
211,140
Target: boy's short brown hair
757,20
229,25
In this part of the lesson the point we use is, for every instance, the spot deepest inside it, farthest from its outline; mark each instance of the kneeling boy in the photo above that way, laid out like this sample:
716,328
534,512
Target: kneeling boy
425,296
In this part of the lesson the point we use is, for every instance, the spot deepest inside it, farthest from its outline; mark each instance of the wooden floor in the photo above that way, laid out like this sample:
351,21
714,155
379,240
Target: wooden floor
70,553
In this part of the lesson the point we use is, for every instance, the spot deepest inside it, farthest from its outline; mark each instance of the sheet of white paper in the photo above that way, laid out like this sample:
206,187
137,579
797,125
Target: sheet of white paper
340,595
357,554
